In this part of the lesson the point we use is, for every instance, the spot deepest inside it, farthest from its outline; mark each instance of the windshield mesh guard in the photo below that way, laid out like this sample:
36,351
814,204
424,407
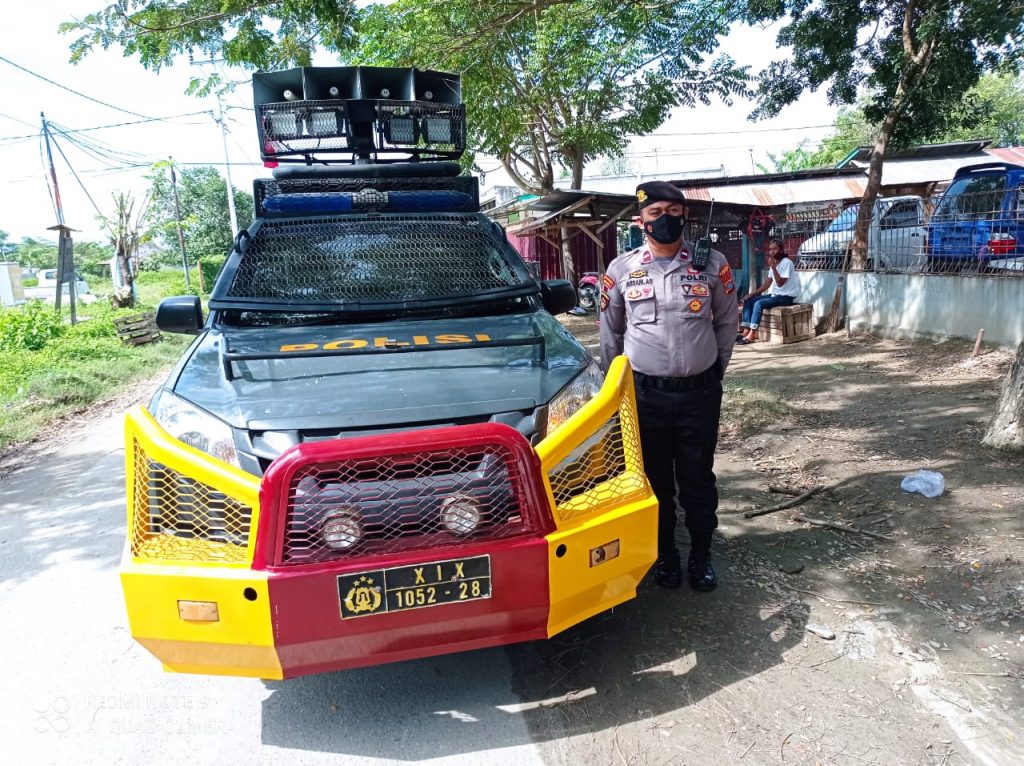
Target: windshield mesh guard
370,262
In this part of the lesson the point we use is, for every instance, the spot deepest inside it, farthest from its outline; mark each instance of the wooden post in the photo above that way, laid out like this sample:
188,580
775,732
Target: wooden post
977,343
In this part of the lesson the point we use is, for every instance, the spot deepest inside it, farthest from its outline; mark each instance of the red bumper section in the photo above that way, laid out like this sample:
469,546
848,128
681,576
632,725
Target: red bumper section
371,559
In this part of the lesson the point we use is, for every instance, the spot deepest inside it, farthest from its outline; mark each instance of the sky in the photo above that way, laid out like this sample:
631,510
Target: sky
117,158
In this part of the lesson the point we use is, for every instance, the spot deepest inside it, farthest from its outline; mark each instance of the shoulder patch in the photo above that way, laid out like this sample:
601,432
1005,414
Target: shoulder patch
607,282
725,277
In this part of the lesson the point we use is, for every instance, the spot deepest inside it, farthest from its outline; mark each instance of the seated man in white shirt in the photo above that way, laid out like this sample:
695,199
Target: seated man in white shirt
782,286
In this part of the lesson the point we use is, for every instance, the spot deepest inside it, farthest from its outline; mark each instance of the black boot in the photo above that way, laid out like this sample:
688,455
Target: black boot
698,565
668,572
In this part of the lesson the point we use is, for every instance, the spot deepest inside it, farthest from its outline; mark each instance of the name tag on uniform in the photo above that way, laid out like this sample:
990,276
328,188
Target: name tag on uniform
637,289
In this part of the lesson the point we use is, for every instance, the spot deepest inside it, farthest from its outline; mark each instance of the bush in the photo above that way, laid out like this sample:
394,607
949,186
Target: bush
29,327
210,266
67,388
30,282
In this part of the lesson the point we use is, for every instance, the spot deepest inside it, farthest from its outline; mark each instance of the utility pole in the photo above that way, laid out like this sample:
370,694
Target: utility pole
177,223
219,119
227,167
65,251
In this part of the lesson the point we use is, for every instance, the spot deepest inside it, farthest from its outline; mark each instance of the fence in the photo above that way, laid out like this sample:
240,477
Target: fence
975,227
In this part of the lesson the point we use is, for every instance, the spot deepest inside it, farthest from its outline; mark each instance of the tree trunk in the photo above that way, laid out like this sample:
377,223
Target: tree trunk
568,269
576,160
1006,431
862,229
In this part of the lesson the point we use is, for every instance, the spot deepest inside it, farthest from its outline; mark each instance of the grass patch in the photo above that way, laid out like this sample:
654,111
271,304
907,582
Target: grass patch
748,408
73,368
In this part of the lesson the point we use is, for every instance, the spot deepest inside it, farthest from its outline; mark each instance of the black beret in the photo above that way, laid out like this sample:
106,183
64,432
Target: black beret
658,191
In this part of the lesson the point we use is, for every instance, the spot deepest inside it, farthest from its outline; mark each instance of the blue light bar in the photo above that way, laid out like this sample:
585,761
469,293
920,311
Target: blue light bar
346,202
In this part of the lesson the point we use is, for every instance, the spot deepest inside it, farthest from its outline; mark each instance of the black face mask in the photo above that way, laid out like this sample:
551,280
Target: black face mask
665,229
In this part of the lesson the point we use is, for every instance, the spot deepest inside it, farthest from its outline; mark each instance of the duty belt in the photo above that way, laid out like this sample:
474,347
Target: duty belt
687,383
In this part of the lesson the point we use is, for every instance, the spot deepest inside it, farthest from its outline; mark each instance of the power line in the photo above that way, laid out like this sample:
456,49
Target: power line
15,119
118,124
733,132
75,174
72,90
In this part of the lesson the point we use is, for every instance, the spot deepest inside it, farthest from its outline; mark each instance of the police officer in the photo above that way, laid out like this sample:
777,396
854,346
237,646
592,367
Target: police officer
675,319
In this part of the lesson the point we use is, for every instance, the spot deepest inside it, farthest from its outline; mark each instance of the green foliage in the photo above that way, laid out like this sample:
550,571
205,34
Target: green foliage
91,259
30,282
29,327
790,160
210,266
36,253
252,32
559,86
918,80
72,366
205,222
154,286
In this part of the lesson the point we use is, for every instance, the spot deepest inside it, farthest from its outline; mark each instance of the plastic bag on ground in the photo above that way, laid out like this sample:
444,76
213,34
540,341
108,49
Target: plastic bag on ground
928,483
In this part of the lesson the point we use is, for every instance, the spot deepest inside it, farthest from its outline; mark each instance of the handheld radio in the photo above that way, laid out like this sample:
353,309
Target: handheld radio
702,248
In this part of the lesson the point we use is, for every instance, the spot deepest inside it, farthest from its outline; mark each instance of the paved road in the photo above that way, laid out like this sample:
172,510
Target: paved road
78,690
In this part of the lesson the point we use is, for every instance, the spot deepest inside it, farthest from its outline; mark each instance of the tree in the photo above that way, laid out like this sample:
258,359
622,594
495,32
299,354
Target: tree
993,110
37,253
267,34
202,193
557,87
546,86
1006,431
790,160
916,58
126,234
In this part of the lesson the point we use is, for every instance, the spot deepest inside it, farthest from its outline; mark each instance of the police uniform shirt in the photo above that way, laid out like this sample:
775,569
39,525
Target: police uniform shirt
670,320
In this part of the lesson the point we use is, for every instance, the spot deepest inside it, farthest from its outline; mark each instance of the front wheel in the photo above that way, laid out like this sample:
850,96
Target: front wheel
588,297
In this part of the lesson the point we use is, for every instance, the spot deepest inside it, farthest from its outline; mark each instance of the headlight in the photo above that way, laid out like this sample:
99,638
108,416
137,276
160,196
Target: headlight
196,427
342,528
581,390
460,514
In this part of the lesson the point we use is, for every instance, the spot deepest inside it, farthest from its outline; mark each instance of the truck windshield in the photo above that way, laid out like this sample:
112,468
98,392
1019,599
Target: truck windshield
973,197
369,262
846,220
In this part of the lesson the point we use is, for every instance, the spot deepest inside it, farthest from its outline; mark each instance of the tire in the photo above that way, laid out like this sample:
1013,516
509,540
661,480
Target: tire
588,297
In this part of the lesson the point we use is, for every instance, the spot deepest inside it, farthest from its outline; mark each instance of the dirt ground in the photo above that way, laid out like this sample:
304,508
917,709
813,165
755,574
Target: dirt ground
927,661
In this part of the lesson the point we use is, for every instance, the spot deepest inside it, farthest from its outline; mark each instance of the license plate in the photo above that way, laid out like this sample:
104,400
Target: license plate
399,589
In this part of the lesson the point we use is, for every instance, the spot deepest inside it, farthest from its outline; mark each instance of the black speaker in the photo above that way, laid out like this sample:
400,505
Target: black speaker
438,87
273,87
386,83
330,82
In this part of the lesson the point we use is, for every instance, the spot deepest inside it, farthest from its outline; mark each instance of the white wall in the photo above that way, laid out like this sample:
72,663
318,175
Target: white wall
908,305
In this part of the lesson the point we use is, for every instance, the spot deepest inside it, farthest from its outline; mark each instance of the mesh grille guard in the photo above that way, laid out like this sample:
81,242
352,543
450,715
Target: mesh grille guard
365,263
392,492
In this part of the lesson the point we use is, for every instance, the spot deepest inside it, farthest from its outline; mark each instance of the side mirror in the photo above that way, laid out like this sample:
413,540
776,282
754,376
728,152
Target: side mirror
558,295
180,314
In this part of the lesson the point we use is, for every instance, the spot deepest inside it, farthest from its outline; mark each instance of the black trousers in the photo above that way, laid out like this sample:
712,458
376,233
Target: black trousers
678,435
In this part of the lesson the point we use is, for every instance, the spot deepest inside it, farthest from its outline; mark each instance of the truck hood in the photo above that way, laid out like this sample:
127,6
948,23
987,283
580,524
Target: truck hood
379,375
826,242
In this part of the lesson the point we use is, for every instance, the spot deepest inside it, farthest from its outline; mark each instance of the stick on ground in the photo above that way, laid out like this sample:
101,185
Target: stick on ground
787,504
840,527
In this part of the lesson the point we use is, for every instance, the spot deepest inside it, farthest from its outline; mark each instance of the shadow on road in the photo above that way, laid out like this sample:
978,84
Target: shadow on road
659,653
60,511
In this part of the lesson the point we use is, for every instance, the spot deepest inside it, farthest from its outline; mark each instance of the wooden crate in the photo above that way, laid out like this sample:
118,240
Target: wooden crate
137,329
787,324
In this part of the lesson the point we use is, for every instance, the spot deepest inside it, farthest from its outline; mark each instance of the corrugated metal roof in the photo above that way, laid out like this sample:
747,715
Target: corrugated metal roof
770,193
1014,154
901,172
862,155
